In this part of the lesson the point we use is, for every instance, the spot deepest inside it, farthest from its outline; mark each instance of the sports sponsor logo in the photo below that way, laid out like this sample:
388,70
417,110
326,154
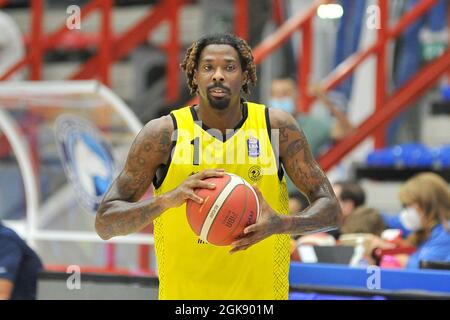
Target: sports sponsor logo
254,173
253,147
87,159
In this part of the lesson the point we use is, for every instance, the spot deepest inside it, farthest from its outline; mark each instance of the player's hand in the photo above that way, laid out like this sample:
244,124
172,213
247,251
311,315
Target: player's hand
269,223
179,195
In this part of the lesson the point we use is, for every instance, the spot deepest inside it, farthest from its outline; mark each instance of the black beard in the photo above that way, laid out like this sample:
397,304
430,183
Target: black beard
219,104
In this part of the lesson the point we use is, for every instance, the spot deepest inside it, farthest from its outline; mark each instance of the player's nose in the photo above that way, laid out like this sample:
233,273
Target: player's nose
218,75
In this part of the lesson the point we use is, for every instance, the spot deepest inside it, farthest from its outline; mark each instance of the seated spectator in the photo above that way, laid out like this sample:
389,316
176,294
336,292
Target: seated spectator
297,202
19,267
393,222
426,215
364,225
426,202
364,220
350,196
320,131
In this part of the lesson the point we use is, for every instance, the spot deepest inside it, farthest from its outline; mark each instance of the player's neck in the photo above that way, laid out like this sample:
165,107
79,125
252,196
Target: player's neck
220,119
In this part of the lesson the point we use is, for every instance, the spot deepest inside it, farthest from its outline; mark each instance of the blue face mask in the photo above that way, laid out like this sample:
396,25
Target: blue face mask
286,104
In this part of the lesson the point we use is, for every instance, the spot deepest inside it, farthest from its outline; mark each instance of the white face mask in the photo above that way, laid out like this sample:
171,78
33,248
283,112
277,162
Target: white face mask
410,219
287,104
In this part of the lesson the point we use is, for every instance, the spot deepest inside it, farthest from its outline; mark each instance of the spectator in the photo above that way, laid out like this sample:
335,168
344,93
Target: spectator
357,218
364,220
19,267
426,199
297,202
350,196
392,221
319,132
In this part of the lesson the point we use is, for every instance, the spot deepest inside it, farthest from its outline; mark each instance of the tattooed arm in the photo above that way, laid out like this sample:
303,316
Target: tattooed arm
324,212
121,212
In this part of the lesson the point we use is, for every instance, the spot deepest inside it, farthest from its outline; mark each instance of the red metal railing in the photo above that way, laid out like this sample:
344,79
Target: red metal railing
241,18
386,107
110,49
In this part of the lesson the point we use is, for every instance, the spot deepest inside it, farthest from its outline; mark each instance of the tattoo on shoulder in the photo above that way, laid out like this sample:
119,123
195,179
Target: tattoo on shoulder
294,148
285,127
135,179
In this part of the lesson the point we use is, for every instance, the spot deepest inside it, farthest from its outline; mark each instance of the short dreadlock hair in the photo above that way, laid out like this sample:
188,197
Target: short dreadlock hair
190,62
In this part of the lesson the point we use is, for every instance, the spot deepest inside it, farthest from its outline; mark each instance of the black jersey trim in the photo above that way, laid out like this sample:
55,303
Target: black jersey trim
269,133
165,167
235,129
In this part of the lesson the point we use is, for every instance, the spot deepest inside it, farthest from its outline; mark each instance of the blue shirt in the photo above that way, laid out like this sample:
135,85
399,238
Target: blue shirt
436,248
19,264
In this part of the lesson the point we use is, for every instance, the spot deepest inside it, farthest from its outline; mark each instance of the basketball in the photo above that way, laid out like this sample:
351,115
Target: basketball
225,212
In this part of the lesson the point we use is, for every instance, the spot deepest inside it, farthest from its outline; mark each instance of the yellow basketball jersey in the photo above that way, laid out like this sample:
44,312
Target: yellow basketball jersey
189,268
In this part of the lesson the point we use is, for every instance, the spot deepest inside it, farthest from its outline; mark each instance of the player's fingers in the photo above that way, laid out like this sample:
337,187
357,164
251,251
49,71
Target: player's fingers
240,248
200,184
245,241
211,173
234,250
251,228
195,197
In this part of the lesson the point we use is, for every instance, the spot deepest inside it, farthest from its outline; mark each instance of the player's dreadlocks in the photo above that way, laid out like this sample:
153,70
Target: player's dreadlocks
190,62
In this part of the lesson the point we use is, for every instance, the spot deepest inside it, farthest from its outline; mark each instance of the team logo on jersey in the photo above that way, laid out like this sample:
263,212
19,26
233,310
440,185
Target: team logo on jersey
253,147
86,158
254,173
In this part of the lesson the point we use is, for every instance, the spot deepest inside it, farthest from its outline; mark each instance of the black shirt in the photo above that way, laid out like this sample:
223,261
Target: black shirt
19,264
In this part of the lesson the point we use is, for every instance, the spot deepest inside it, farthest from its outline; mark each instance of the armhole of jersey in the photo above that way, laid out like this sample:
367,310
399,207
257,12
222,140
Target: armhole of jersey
269,133
157,182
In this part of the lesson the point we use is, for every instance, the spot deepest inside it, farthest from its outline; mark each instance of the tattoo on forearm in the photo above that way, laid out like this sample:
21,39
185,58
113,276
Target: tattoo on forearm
119,222
145,214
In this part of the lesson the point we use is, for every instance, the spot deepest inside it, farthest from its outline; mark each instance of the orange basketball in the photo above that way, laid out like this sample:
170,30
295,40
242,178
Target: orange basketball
225,212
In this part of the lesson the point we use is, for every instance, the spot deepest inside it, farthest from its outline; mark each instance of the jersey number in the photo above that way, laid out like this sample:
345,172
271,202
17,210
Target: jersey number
196,157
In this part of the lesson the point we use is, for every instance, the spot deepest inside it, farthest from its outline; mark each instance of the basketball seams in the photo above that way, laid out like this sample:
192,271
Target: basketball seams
215,217
221,198
241,216
256,197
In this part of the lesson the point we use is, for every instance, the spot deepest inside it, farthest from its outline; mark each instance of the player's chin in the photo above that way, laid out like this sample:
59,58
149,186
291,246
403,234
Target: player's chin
219,103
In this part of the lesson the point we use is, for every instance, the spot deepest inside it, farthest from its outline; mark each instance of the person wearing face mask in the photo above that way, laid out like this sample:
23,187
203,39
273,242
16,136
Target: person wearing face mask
426,213
320,131
283,96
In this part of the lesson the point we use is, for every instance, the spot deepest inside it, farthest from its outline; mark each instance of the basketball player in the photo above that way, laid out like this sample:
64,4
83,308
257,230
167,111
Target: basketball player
177,152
